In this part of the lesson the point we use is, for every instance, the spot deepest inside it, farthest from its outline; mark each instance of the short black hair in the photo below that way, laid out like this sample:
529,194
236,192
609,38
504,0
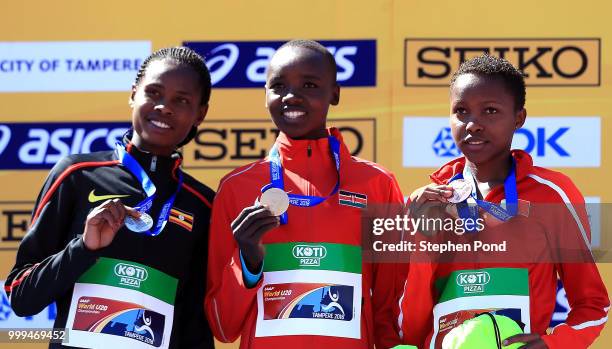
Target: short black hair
495,67
182,55
315,46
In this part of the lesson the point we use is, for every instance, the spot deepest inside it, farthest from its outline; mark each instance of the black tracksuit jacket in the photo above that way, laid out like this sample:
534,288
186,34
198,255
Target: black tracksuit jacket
52,255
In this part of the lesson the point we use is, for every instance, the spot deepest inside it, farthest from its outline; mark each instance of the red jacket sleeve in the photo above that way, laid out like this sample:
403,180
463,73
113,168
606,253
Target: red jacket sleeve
228,303
388,282
417,301
586,292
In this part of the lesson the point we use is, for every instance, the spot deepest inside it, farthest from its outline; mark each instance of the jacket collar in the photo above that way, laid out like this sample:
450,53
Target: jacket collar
152,163
291,149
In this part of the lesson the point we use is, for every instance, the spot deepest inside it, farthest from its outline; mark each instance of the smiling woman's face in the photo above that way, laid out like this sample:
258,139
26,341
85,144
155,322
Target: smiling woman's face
300,87
165,106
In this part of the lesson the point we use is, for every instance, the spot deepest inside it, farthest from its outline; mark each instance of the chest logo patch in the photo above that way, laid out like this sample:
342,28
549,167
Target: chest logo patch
348,198
95,198
181,218
309,255
130,275
473,282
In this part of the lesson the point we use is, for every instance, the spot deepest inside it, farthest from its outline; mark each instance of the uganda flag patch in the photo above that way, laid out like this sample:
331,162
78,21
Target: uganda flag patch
181,218
348,198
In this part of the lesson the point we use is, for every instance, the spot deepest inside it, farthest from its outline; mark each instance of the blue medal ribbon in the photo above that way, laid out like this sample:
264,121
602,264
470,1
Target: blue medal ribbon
498,211
276,178
145,205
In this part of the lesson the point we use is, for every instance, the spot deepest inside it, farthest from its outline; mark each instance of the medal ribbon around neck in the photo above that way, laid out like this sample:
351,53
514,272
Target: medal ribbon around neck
498,211
145,205
276,179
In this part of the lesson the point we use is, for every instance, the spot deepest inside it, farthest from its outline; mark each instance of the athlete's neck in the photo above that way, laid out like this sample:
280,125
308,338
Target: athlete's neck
153,149
492,172
318,134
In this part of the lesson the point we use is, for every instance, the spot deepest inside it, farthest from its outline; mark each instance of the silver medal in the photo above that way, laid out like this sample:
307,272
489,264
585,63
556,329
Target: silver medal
276,199
461,191
140,224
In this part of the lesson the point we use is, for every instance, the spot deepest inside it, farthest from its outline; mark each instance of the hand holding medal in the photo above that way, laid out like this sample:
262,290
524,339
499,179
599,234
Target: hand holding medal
139,224
104,221
432,193
254,221
461,191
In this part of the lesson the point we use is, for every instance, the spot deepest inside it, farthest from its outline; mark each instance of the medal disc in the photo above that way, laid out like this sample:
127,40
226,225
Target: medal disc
461,191
140,224
276,199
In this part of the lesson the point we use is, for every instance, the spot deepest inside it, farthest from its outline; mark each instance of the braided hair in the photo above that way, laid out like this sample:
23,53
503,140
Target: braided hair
186,56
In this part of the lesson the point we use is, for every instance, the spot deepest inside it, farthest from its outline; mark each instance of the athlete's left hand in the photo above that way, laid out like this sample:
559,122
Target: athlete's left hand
530,341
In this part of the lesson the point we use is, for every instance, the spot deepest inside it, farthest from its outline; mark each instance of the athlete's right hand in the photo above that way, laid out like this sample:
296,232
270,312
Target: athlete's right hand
248,228
429,201
104,221
431,192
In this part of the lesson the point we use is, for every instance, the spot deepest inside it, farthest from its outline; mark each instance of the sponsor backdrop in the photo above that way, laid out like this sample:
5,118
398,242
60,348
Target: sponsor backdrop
66,69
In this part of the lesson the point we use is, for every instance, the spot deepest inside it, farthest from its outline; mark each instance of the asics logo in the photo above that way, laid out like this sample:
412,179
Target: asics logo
220,65
95,198
5,137
242,64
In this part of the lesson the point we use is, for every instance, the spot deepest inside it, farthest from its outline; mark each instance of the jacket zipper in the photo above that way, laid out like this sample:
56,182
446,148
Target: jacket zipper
153,163
308,179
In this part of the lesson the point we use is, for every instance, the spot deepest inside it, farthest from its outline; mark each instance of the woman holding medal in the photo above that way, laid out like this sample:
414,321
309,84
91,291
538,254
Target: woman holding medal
285,266
118,238
539,213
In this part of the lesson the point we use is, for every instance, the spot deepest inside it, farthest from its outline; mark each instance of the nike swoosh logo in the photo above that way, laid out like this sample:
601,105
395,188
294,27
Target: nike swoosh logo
95,198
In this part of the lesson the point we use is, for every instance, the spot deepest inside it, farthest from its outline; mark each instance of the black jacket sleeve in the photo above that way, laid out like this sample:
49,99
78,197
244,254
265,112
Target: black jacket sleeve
194,331
51,257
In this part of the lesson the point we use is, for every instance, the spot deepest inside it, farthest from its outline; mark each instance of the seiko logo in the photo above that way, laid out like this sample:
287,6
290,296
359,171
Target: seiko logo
130,275
545,62
309,255
14,222
473,282
233,143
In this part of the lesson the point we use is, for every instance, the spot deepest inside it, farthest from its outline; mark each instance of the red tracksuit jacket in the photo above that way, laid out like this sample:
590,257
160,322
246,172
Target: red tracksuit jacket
427,310
282,310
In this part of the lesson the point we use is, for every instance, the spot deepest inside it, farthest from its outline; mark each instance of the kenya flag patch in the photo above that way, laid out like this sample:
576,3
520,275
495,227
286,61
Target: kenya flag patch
348,198
181,218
